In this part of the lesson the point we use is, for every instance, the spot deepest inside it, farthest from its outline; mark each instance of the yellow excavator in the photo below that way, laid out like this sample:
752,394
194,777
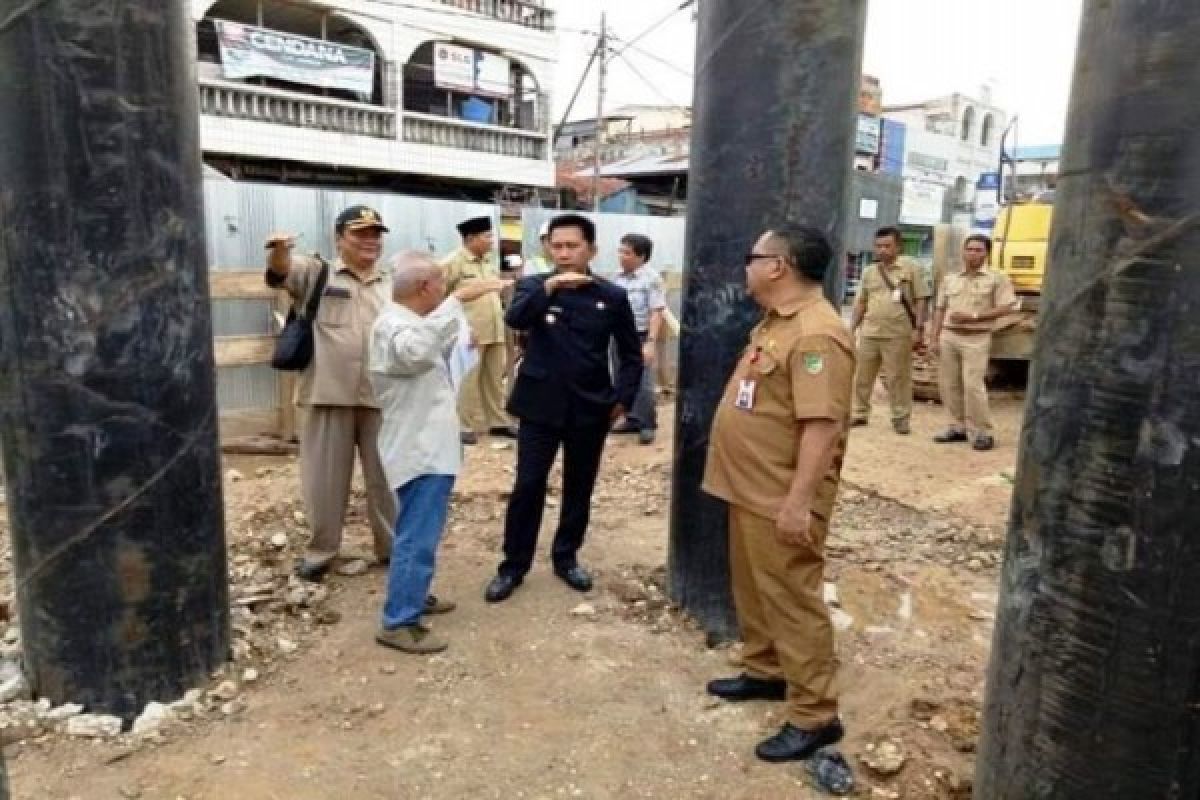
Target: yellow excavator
1022,247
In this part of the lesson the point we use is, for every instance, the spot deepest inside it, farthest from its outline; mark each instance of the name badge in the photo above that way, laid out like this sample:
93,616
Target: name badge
745,395
897,297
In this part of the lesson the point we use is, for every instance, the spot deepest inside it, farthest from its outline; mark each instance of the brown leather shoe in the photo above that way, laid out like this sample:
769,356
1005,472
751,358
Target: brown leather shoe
434,605
416,639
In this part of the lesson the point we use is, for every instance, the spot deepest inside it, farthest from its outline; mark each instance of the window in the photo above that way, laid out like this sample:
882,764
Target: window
985,138
968,124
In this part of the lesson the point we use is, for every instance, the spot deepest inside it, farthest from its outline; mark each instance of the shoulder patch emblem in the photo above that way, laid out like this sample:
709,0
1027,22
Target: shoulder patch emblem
813,363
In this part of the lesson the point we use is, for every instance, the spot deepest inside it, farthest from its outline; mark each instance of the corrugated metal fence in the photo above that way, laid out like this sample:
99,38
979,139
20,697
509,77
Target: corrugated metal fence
252,397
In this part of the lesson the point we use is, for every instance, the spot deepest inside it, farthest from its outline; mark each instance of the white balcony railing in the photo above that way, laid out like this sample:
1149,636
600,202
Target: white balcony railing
280,107
530,13
461,135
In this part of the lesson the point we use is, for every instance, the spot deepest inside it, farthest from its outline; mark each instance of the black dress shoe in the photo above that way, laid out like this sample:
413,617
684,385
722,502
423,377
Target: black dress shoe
797,744
576,577
747,687
983,442
468,438
627,427
501,588
505,431
950,436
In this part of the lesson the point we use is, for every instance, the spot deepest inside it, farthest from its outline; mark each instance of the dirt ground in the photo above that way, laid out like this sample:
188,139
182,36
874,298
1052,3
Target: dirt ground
557,695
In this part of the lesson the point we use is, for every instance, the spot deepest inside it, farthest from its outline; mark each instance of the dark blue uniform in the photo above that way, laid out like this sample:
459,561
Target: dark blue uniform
565,395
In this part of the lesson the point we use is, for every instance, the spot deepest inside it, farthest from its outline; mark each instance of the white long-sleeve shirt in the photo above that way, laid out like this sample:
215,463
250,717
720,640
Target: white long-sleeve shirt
409,371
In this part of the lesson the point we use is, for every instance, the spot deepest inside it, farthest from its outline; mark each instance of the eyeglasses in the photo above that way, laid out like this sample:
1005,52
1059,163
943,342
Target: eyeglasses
752,257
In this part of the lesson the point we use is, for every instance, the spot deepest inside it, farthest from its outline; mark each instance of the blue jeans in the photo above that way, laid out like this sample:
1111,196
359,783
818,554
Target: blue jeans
424,504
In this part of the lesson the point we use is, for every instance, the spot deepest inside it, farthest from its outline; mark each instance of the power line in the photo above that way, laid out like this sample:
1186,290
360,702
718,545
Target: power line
649,84
655,26
653,57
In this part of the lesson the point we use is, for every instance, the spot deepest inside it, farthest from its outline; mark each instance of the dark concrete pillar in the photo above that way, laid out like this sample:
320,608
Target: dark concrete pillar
772,142
1094,682
107,398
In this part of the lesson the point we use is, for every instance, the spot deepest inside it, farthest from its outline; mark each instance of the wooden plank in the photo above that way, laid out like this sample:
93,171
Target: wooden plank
258,422
239,285
241,351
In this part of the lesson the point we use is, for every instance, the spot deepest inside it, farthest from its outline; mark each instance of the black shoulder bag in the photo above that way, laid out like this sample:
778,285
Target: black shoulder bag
294,347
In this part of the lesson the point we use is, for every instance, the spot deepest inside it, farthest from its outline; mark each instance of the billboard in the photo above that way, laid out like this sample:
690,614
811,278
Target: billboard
892,145
250,52
987,202
866,135
464,69
923,203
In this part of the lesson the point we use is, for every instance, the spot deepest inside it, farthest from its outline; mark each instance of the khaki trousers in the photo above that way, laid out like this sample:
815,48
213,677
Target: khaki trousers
962,368
778,591
327,444
895,356
481,401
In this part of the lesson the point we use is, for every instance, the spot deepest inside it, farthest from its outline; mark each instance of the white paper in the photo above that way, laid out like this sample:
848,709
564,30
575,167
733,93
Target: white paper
462,357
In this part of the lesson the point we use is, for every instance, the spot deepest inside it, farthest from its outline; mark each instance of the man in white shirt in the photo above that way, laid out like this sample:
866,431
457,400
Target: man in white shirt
411,344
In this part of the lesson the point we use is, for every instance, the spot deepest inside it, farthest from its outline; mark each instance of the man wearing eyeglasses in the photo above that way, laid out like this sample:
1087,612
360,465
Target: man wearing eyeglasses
775,456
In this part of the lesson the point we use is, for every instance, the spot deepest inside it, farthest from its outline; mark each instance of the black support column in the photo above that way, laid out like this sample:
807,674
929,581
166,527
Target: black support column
107,394
772,142
1094,685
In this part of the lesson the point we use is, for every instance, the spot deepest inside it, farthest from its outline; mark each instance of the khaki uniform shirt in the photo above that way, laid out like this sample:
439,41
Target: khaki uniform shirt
885,317
485,315
799,366
338,373
974,294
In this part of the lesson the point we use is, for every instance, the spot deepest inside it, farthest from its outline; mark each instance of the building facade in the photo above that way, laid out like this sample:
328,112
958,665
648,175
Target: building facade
430,96
948,144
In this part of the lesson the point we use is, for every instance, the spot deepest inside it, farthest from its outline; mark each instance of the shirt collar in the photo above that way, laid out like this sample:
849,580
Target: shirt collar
794,307
374,275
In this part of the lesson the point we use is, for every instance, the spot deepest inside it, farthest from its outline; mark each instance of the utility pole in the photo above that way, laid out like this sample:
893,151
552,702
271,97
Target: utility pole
107,390
1092,689
602,78
772,142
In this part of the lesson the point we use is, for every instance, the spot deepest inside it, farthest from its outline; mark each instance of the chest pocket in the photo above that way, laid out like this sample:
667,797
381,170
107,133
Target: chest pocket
592,322
336,308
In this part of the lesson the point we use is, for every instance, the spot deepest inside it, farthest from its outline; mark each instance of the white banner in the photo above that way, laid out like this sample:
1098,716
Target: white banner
250,52
454,67
463,69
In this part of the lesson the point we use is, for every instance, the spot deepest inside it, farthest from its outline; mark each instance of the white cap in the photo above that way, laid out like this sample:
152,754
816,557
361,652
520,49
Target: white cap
545,231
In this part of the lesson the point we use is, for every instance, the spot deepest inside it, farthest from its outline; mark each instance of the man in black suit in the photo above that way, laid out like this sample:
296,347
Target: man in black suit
564,396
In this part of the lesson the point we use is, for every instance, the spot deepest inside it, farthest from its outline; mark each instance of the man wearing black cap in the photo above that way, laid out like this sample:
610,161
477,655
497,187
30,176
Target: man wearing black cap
481,404
335,388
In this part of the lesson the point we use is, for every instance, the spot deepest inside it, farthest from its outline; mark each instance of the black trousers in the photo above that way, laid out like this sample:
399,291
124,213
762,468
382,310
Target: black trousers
537,445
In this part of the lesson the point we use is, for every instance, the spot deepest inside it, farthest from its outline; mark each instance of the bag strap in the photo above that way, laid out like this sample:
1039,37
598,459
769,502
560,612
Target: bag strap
912,317
314,296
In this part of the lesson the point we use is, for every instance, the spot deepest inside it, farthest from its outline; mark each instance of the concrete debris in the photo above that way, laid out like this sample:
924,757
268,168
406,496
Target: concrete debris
14,688
94,726
885,758
225,690
152,719
353,568
584,610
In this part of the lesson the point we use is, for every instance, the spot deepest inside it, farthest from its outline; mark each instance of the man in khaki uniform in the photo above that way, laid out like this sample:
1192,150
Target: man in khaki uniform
889,316
335,388
968,305
775,456
481,404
